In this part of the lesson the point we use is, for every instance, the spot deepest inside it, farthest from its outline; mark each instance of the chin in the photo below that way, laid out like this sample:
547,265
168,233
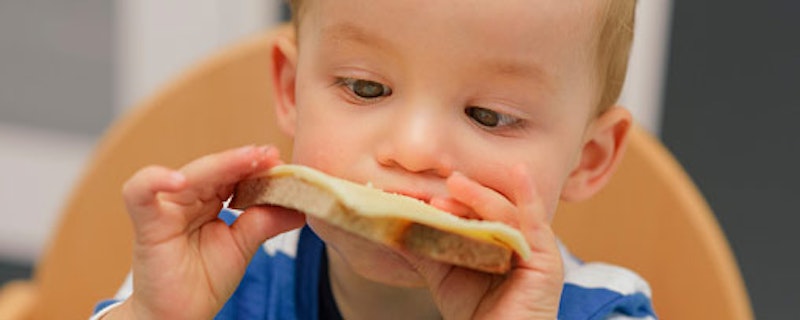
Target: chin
367,259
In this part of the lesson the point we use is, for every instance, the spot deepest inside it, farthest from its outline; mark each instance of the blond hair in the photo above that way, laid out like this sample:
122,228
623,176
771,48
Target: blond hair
613,49
614,39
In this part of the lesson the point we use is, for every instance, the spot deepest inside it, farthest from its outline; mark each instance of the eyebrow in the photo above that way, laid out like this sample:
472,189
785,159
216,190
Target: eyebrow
511,68
350,32
515,69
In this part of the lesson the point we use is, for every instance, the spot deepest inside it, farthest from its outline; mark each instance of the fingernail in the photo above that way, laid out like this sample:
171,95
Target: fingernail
177,178
264,149
246,149
261,154
456,175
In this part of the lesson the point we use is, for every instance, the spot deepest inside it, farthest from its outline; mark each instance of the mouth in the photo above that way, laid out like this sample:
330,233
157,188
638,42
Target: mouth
421,196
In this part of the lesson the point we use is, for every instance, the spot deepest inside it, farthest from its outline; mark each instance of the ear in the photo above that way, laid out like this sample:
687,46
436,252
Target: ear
602,151
284,73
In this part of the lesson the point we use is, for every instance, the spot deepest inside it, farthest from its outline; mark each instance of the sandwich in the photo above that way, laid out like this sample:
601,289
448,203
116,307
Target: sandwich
394,220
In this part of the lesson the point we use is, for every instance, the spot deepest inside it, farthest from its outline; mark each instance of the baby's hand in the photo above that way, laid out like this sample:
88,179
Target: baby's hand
187,262
532,289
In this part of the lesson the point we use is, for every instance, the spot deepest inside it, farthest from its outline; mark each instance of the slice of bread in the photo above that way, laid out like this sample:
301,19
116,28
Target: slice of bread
394,220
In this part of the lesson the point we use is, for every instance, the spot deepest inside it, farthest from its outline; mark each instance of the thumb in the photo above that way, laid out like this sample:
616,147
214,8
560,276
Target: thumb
257,224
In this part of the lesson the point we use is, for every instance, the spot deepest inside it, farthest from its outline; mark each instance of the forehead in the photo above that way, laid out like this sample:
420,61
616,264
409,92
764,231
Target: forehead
551,39
545,33
526,22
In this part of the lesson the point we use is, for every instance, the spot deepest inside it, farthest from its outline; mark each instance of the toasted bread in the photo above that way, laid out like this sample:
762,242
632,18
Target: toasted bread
390,219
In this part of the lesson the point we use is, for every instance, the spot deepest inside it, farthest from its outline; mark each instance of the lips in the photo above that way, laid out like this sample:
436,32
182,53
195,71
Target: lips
421,196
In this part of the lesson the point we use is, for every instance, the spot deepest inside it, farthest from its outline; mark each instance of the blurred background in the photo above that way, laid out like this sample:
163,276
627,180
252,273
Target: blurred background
718,81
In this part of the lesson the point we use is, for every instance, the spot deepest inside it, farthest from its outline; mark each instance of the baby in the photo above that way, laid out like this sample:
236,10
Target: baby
493,110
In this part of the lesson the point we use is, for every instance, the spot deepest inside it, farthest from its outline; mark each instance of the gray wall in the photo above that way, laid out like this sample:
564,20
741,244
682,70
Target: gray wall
731,112
56,68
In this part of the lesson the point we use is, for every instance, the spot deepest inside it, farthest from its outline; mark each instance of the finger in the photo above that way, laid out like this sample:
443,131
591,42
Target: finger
212,177
257,224
534,216
534,223
526,195
142,189
486,202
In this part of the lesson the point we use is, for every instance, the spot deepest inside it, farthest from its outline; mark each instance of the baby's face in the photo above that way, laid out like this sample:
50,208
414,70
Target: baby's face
401,94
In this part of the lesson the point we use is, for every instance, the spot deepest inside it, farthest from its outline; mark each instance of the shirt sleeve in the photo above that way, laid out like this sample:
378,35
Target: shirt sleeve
604,291
104,307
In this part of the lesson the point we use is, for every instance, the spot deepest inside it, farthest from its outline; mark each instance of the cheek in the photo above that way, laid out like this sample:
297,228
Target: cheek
330,142
315,133
311,149
318,138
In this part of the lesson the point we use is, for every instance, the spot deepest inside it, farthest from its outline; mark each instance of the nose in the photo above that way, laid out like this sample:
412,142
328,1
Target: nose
417,140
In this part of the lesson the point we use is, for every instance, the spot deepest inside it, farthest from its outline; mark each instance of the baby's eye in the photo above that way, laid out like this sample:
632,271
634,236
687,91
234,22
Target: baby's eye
366,89
489,118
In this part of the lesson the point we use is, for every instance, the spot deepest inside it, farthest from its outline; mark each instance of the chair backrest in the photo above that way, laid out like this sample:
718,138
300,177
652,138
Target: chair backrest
651,218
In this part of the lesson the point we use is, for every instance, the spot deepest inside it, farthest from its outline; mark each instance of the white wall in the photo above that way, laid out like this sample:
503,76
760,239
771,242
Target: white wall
159,39
644,87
